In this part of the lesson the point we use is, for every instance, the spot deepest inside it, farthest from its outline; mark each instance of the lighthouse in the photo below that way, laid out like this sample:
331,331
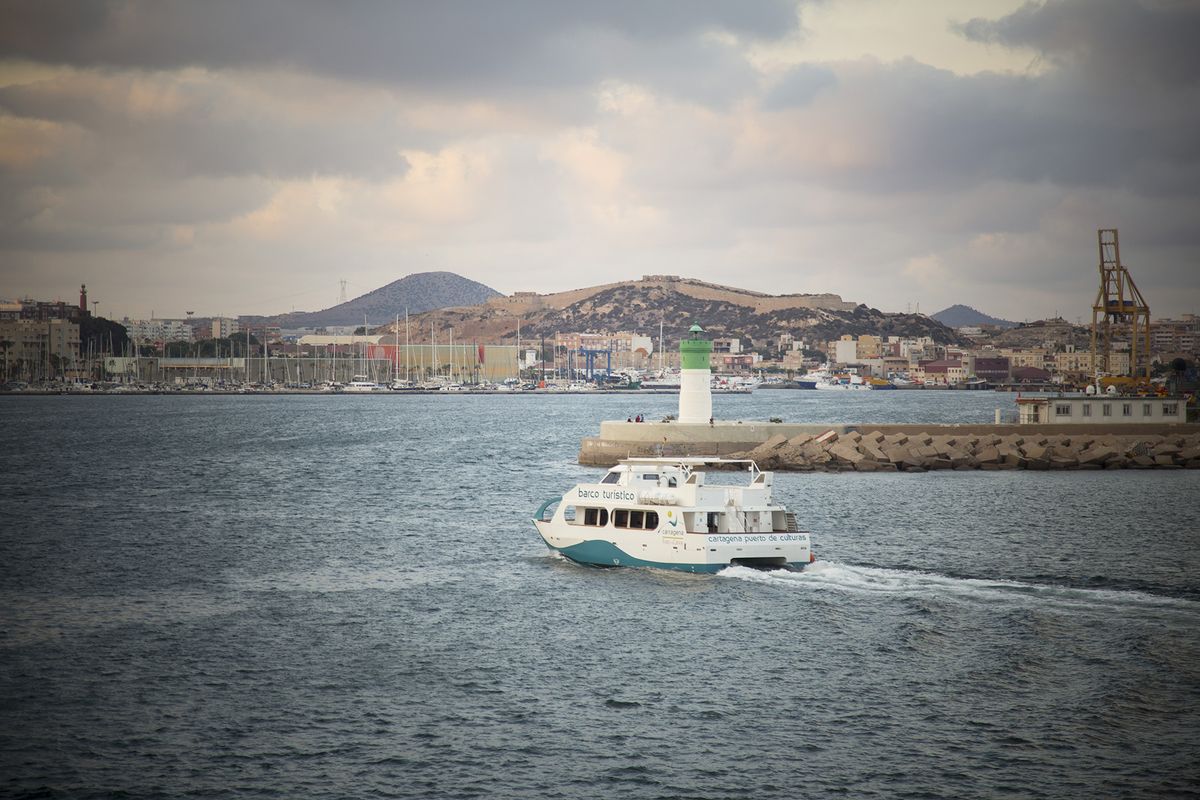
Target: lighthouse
695,379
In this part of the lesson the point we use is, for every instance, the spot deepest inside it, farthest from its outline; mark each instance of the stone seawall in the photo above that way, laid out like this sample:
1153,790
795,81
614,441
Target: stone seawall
908,448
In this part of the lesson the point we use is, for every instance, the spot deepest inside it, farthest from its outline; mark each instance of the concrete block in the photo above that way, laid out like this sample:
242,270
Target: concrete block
988,455
846,452
872,451
828,437
1164,461
768,447
1034,452
867,465
896,438
1097,455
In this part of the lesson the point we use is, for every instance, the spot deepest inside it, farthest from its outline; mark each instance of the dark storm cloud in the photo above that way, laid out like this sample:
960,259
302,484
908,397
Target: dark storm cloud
452,43
1136,41
937,129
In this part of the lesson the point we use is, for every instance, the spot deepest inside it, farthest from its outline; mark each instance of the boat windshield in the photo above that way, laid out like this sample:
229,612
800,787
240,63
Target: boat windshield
611,477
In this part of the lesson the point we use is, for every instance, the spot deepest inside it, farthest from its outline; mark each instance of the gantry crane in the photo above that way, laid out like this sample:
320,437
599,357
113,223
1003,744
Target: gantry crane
1119,308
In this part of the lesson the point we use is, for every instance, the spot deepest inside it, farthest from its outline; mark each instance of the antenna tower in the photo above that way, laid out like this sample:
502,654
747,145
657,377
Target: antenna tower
1119,310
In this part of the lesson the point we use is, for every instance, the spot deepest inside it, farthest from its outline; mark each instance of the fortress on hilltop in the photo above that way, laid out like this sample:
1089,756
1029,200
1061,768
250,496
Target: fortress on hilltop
524,302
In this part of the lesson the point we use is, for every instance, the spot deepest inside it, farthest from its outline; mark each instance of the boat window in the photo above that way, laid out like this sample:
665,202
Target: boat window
591,516
651,520
569,513
671,482
714,518
611,477
637,519
621,518
603,517
651,476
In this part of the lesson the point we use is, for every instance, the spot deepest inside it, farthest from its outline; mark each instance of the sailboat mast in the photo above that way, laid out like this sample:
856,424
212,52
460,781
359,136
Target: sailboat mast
407,349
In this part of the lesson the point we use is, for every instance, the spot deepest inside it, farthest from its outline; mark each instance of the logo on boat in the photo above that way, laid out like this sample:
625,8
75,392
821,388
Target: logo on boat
674,523
606,494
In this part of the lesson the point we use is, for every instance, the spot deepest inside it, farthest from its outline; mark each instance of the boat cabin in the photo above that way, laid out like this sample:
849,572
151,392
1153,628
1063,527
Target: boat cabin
672,496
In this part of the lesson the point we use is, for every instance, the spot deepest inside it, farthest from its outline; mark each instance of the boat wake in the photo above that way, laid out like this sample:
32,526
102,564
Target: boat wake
828,576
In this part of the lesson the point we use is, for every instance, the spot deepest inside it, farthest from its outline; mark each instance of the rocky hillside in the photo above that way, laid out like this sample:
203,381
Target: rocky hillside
640,306
421,291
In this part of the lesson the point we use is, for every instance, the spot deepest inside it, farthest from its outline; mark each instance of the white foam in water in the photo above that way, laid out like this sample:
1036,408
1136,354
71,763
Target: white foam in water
831,576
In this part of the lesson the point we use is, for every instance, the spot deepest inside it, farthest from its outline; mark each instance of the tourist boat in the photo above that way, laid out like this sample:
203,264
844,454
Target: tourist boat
660,512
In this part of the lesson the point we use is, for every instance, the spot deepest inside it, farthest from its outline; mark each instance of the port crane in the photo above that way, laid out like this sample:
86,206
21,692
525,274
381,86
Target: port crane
1119,310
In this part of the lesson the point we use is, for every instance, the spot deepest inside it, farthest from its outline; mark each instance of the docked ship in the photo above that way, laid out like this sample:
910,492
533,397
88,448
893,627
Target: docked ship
660,512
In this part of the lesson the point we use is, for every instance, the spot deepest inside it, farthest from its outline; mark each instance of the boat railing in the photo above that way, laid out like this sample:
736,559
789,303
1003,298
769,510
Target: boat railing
540,514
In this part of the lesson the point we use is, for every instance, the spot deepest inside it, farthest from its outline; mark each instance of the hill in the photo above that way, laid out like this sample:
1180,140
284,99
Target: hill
421,291
638,306
959,316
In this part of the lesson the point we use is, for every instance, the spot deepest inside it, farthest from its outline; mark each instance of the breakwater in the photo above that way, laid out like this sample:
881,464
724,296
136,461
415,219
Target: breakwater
908,448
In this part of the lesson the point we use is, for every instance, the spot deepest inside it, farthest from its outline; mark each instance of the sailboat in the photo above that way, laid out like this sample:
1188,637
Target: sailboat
362,382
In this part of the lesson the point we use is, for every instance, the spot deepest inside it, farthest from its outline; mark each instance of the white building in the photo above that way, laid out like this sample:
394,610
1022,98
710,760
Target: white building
1104,409
158,330
845,351
224,327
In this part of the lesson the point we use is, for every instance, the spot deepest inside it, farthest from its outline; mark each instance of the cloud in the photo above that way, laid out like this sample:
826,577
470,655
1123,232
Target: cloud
456,45
1116,42
547,145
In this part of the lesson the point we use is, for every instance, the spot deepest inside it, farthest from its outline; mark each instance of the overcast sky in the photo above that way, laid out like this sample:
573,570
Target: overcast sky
243,157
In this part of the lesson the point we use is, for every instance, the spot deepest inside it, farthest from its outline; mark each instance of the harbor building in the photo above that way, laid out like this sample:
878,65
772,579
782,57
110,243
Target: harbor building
1107,409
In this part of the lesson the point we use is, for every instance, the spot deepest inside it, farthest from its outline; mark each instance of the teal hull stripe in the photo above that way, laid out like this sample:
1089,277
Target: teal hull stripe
606,554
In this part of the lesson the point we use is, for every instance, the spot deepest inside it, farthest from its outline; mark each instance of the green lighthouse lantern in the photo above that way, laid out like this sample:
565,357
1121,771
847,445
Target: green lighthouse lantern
694,350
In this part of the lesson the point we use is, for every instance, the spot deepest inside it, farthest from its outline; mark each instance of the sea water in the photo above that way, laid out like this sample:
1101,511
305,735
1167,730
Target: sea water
343,596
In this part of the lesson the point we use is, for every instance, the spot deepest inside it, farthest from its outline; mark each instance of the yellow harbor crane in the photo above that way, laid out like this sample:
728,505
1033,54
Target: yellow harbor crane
1119,311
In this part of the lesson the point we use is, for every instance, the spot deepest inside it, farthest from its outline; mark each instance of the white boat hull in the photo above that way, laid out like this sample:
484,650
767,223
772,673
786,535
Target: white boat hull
678,550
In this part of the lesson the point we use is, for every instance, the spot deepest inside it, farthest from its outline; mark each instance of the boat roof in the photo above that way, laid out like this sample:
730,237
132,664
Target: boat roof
689,462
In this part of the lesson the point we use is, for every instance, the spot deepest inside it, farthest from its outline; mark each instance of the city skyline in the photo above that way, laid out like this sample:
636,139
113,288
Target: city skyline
234,160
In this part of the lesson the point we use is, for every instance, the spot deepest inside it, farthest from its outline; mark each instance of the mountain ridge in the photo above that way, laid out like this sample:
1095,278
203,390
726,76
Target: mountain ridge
959,316
418,292
639,306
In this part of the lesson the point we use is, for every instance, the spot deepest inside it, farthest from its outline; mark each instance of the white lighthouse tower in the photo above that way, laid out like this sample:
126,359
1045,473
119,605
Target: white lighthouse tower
695,385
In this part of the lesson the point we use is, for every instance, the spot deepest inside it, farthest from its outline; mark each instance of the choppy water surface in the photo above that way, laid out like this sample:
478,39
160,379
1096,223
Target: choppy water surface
343,597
